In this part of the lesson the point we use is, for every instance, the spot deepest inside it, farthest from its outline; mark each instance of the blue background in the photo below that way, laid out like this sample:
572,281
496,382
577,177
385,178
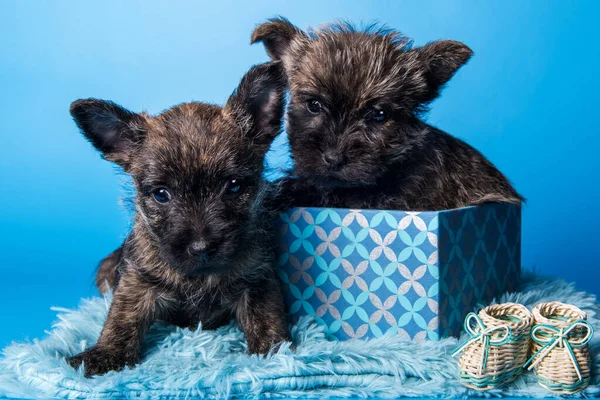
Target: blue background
527,100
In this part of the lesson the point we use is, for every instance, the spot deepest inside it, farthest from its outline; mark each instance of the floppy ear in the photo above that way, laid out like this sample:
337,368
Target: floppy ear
113,130
440,60
259,100
276,35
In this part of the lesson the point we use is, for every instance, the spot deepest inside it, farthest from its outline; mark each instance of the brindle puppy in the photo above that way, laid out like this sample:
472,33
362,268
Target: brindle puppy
200,247
354,126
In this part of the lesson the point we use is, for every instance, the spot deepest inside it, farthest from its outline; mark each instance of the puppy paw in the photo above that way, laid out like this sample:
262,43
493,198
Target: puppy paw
98,361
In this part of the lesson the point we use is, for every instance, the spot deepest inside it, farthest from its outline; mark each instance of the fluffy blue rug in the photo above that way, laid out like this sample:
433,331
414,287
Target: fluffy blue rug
213,364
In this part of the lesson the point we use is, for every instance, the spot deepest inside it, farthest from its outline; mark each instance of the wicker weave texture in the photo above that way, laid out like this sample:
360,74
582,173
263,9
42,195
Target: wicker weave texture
498,347
560,355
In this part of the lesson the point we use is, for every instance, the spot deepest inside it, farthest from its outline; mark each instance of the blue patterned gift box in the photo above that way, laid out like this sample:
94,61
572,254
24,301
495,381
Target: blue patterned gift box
363,273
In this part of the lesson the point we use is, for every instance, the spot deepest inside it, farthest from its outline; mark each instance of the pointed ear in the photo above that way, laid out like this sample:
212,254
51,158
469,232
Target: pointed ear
276,35
113,130
257,103
440,60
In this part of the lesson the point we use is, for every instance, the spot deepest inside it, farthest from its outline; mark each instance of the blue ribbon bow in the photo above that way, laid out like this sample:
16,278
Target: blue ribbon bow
477,330
550,336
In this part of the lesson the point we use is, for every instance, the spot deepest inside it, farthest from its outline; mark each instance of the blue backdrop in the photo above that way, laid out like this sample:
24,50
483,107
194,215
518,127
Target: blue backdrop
526,100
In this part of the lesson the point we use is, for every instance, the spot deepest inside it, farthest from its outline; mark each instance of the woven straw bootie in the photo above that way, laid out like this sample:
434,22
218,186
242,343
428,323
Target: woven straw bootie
498,346
560,355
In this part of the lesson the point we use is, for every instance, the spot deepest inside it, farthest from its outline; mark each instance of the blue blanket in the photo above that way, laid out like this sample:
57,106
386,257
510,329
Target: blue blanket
213,364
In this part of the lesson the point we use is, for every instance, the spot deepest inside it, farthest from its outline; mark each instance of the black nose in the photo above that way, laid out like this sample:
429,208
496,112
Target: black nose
202,249
333,159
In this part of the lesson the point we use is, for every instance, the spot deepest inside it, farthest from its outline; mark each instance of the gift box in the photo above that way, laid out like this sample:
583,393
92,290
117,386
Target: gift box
365,273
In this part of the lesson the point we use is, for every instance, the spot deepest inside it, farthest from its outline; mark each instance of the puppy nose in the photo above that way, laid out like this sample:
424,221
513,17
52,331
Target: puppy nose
202,249
333,158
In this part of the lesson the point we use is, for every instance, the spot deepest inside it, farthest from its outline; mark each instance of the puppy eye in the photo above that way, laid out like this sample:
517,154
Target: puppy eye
161,195
234,186
375,114
314,106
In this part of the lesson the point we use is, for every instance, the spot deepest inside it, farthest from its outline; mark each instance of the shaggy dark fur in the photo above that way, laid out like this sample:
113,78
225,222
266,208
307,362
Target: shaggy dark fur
107,275
200,248
354,126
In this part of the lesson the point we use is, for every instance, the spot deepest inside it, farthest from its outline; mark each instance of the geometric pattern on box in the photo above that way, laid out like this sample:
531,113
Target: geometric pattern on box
364,273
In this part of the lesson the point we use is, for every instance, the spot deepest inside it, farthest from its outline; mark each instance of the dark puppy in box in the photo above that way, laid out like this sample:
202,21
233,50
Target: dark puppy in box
354,122
200,248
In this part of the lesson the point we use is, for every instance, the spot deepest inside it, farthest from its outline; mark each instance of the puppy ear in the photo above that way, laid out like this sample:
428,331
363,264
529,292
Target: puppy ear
113,130
276,35
441,59
257,103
